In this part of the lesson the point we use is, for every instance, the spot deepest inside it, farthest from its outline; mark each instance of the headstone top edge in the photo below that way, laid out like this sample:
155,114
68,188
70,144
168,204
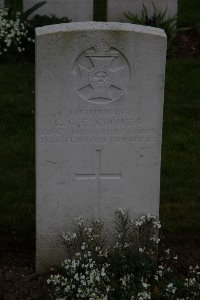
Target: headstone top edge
90,26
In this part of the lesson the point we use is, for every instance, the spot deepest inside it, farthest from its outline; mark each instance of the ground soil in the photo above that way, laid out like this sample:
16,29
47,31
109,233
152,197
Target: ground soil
18,278
186,45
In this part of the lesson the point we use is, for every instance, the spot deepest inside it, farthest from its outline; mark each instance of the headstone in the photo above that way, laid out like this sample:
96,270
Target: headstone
2,4
77,10
116,8
99,105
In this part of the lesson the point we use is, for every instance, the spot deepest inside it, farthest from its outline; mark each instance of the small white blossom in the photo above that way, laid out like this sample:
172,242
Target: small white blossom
12,32
141,250
171,289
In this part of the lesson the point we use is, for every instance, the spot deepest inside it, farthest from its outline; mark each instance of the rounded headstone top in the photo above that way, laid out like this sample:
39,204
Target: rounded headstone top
96,26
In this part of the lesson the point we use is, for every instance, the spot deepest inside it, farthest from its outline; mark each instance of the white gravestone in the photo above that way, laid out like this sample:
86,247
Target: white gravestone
77,10
99,105
116,8
2,4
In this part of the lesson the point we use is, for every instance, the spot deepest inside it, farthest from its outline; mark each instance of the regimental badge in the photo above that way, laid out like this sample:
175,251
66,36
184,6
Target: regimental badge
101,74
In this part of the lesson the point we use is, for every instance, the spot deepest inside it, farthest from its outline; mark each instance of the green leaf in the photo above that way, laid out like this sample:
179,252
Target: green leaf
32,9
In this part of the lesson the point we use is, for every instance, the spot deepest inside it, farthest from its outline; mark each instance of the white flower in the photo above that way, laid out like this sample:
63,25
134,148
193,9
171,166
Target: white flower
144,296
190,282
145,285
171,289
155,239
121,211
138,223
83,246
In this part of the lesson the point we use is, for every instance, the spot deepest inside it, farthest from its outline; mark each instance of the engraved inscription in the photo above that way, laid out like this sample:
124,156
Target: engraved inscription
98,126
101,74
98,176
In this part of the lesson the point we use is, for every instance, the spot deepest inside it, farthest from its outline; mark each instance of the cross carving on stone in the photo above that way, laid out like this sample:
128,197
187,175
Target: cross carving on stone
98,175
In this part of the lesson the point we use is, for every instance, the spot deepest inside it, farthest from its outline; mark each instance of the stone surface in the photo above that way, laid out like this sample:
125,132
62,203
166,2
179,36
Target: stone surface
2,3
77,10
116,8
99,105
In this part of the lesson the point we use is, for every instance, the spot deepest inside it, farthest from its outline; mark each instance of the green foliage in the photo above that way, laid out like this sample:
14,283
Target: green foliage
39,21
17,3
124,267
13,10
28,12
159,19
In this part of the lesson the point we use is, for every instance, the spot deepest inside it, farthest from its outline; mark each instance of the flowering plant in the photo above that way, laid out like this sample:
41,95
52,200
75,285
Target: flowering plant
14,33
126,268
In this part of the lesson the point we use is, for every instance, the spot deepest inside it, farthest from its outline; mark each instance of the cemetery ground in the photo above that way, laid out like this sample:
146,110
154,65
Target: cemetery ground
180,176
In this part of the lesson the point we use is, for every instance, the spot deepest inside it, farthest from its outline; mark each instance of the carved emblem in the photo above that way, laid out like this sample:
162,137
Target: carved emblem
101,74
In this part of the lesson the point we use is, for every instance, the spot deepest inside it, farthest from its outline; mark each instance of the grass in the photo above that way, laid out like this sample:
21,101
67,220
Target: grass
17,199
180,176
180,193
189,13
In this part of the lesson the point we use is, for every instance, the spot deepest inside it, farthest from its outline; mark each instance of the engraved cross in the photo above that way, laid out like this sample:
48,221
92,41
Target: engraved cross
98,175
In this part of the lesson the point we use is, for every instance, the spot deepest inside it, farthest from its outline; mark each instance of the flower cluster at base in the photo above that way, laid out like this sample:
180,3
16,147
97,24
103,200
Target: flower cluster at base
127,268
14,33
